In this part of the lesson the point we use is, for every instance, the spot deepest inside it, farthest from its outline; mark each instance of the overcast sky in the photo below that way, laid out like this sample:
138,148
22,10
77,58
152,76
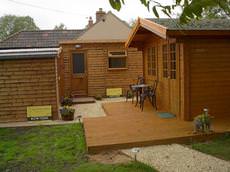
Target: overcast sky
73,13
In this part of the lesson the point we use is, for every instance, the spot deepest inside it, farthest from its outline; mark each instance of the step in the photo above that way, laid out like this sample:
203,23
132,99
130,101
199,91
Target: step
82,100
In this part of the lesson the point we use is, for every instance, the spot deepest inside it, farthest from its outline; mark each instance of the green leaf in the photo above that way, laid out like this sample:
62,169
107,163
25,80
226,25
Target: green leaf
155,11
116,4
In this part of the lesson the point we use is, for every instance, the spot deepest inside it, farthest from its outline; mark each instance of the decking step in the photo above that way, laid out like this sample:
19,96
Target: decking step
82,100
93,149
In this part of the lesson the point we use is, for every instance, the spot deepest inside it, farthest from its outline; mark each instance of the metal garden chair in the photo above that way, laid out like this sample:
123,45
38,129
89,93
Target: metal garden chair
149,92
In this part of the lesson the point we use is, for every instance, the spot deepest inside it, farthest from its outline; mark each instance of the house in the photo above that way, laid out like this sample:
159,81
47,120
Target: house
40,67
98,60
28,65
191,63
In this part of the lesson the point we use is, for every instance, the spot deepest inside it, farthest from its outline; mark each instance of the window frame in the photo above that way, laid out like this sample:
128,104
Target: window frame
173,61
78,75
124,56
165,61
151,61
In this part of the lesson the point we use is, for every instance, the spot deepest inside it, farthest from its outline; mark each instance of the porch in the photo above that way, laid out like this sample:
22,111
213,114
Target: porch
125,126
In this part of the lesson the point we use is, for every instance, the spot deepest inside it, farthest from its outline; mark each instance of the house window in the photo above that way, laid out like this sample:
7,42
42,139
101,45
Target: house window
151,61
117,59
173,61
165,61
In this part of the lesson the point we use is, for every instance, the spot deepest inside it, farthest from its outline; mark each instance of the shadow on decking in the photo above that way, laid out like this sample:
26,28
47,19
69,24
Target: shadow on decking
125,126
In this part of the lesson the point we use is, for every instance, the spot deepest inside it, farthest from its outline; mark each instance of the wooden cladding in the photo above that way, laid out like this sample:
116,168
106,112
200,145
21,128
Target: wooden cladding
99,74
209,76
23,83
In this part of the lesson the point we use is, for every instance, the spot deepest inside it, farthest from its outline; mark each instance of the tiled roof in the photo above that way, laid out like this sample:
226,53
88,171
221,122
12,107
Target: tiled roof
203,24
39,39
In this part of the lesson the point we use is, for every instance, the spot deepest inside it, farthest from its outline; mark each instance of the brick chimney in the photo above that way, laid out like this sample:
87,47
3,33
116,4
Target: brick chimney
90,22
99,14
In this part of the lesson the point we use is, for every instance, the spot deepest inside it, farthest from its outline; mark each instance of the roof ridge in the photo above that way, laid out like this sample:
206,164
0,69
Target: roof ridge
43,30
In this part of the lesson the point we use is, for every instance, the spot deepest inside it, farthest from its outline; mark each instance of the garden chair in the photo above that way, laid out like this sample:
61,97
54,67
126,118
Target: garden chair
149,92
132,91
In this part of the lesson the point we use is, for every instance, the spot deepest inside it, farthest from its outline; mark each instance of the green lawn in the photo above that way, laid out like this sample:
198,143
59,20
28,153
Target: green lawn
54,148
219,147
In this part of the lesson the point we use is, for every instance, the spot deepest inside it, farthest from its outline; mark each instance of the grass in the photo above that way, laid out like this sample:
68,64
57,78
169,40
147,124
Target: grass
219,147
52,148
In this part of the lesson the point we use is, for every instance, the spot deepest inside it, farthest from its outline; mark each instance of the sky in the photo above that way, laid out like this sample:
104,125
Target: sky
73,13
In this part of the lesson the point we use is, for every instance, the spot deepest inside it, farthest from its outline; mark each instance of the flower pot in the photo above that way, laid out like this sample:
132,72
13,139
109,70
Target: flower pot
67,113
69,117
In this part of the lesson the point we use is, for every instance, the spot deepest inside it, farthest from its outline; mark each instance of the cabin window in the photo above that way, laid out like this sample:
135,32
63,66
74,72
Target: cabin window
117,59
165,61
173,61
78,61
151,61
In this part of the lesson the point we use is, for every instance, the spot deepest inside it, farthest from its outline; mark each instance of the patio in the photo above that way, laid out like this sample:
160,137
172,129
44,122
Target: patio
125,126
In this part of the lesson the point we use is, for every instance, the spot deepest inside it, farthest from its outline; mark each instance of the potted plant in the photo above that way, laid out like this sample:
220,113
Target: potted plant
67,101
202,122
67,113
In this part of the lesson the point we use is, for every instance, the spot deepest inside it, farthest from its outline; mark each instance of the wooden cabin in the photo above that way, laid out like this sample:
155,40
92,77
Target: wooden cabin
191,63
98,60
28,74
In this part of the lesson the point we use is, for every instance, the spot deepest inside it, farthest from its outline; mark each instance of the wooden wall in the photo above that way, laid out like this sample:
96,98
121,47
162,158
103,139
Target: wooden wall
209,77
99,77
23,83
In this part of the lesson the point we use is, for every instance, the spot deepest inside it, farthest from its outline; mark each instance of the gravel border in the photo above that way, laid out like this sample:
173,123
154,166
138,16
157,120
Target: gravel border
178,158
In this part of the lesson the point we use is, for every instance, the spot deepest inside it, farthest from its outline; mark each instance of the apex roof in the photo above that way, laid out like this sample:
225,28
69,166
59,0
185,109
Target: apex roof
109,29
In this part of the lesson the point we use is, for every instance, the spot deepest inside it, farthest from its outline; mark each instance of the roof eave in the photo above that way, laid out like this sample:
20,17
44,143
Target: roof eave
153,27
92,41
181,33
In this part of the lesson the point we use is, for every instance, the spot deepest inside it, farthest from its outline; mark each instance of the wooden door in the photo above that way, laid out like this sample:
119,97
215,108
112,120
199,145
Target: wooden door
79,74
164,79
174,78
169,78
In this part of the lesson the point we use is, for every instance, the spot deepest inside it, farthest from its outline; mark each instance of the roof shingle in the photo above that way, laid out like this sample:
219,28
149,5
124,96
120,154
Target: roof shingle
203,24
39,39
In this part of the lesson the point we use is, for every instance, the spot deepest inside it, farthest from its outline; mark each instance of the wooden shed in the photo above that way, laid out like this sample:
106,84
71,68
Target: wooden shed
191,63
98,60
28,72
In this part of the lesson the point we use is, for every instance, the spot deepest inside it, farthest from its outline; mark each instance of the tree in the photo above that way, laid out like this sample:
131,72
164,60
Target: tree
216,13
191,9
61,26
10,24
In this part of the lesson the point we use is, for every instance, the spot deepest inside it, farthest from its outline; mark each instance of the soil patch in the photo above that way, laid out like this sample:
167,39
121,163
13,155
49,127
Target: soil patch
111,157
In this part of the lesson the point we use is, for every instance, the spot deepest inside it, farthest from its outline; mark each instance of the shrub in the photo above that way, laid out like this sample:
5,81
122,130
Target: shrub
67,101
98,97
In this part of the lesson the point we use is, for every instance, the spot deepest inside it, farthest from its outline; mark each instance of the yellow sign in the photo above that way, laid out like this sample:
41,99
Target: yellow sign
114,91
39,111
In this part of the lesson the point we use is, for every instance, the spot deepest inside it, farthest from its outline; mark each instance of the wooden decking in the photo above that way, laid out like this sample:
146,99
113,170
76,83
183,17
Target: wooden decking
126,126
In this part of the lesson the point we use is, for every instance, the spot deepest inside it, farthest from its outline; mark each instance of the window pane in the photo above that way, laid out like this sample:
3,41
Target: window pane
118,62
78,63
151,55
173,61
